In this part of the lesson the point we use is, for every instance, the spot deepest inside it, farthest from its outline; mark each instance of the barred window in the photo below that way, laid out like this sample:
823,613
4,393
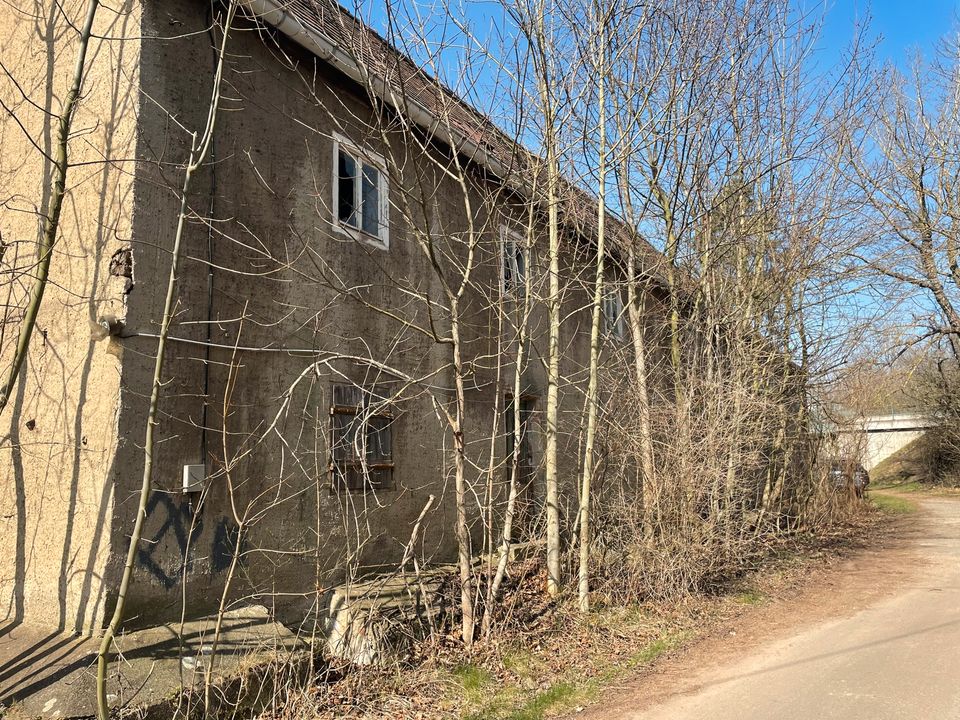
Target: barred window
361,438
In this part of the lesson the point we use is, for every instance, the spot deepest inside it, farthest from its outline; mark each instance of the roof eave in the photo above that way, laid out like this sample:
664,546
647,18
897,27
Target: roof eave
273,13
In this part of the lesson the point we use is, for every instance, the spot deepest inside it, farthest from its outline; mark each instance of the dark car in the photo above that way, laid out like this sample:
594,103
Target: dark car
846,473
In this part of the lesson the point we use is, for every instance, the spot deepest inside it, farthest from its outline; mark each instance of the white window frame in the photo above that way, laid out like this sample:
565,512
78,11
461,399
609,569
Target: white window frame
511,242
380,241
613,322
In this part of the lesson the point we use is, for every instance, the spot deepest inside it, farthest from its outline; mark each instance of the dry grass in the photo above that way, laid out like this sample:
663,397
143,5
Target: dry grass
556,660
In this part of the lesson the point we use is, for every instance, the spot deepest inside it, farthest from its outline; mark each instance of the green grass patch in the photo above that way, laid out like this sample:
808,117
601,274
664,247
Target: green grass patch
910,486
920,488
523,663
749,596
559,696
893,505
527,699
472,678
511,702
657,648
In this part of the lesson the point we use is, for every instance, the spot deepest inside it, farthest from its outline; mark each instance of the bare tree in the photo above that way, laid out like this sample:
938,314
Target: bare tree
903,160
536,23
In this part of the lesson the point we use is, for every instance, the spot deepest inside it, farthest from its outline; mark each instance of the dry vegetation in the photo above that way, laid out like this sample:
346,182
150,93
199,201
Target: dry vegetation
550,659
701,206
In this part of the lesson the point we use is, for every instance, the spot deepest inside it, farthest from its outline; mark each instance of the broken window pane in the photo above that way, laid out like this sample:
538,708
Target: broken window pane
361,194
509,263
514,267
520,272
613,320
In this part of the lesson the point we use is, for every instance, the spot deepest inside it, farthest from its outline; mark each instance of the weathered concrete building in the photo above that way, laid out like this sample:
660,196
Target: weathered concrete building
305,299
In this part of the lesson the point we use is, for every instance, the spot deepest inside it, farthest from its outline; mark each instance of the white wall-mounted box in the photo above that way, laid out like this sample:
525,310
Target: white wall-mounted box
193,477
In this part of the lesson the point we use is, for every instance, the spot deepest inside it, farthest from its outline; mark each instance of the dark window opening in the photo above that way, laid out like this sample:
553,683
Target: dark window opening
613,319
514,267
361,438
346,193
359,194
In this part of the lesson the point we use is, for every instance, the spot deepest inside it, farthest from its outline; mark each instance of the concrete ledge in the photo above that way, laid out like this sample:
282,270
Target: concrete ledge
52,675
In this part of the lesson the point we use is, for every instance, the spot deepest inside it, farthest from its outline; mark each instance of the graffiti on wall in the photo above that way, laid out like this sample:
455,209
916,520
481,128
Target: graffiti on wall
172,549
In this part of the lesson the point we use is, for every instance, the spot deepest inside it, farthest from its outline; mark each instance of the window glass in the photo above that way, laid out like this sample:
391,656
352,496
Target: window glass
346,192
370,200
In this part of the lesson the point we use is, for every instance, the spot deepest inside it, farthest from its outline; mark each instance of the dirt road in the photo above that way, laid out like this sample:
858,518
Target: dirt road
880,641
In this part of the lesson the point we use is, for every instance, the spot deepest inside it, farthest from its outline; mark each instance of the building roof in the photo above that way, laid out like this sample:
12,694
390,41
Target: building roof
339,38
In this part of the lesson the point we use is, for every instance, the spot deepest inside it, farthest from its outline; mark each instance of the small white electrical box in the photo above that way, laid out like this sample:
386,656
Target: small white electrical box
193,477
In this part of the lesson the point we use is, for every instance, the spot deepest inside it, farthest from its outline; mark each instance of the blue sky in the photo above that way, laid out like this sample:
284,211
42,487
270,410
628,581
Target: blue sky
901,26
897,27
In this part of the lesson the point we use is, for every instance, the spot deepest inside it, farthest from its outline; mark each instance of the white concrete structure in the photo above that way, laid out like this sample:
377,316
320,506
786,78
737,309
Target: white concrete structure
886,434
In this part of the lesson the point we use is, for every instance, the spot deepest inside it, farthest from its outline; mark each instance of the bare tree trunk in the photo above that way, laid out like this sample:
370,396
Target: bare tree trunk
583,588
635,316
518,430
241,522
462,530
198,153
672,255
553,349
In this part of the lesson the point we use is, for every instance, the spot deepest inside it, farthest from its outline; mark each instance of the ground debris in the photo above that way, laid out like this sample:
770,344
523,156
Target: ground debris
544,657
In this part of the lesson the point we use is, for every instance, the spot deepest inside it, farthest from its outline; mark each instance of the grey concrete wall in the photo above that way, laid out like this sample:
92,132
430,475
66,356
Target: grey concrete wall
874,438
881,445
299,284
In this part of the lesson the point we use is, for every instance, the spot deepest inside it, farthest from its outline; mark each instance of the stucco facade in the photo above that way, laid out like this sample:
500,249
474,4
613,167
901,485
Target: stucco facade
60,430
275,306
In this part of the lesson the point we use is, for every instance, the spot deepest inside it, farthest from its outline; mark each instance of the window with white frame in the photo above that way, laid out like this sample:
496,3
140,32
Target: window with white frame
514,268
613,320
360,203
